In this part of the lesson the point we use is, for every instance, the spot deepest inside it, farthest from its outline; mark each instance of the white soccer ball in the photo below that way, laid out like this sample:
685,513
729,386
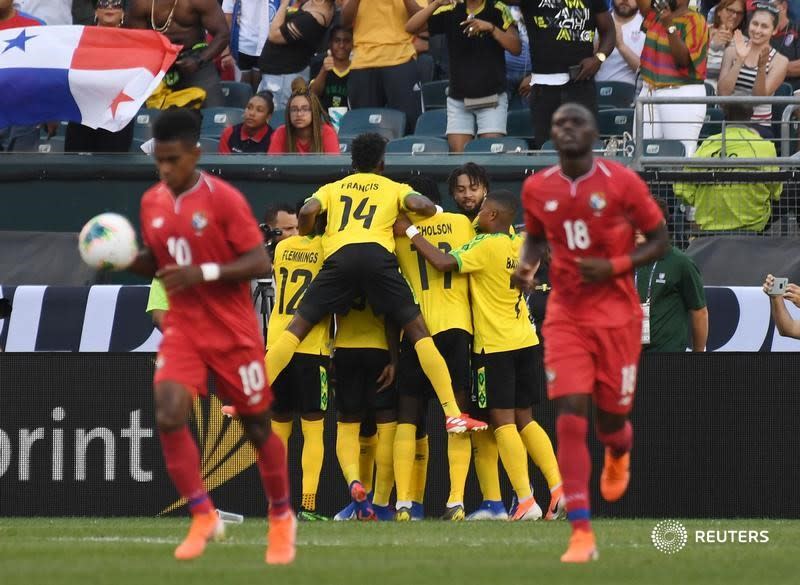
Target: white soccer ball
108,241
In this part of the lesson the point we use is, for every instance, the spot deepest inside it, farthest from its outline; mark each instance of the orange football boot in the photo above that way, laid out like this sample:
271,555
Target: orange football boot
615,477
281,539
204,527
582,548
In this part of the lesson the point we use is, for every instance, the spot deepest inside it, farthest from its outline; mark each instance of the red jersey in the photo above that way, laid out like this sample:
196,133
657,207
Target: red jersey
211,222
592,217
20,20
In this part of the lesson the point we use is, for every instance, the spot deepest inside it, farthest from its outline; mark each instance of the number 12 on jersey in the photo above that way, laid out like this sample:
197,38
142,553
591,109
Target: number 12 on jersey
577,234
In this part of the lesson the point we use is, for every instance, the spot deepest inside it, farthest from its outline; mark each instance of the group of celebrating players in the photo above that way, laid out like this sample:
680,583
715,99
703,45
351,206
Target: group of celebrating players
381,259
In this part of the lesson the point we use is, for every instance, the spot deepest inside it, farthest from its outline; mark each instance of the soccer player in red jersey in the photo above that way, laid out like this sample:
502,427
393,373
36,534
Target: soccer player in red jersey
201,239
587,210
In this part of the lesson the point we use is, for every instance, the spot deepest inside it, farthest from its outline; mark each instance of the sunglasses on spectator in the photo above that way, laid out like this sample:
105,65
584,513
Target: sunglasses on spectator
109,3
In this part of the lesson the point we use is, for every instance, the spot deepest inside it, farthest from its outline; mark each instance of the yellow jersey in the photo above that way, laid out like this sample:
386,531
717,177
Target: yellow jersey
499,312
361,328
442,296
297,261
362,209
379,34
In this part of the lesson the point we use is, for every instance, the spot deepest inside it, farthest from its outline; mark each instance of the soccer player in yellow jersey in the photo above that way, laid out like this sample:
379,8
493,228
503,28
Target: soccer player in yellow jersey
504,354
302,387
365,359
444,300
358,247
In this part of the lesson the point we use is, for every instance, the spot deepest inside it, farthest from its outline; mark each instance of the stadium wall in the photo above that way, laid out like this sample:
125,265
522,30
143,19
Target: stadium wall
716,436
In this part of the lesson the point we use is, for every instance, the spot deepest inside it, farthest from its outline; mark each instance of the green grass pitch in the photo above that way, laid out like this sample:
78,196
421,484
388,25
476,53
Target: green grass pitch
79,551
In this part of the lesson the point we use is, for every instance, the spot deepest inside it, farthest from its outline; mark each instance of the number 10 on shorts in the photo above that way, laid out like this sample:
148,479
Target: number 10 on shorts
628,385
253,381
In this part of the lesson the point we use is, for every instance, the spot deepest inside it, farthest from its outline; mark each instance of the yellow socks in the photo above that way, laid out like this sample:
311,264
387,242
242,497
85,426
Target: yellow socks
283,430
514,458
347,450
420,470
404,450
484,453
366,460
280,354
540,448
458,456
313,454
384,470
435,369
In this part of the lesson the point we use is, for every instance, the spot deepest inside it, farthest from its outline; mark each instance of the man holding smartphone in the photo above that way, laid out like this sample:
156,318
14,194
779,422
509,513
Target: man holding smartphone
779,289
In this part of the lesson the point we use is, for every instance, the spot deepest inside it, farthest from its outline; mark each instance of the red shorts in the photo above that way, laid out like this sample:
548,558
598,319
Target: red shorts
238,371
597,361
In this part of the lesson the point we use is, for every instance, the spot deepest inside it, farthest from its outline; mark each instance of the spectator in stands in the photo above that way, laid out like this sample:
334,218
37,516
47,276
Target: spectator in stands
753,67
478,34
254,134
305,130
744,207
249,24
185,22
728,18
672,287
518,67
786,325
80,138
468,186
19,138
329,83
673,64
51,12
786,40
294,37
623,64
384,73
569,43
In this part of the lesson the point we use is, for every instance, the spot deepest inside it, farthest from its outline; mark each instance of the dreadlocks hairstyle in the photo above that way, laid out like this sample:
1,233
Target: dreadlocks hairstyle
300,89
476,173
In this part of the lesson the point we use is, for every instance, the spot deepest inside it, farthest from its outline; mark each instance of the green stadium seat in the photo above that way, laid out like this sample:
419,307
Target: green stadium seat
236,94
710,90
615,122
54,145
663,148
387,122
136,146
713,122
345,143
432,123
549,146
143,123
215,120
278,118
614,94
209,145
519,124
418,145
502,145
784,90
434,95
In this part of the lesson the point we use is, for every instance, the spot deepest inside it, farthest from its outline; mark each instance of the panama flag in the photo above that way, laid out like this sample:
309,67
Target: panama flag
96,76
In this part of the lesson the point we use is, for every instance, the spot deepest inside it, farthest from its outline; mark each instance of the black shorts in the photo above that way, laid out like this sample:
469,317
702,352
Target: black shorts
455,346
247,62
508,379
357,372
302,387
360,270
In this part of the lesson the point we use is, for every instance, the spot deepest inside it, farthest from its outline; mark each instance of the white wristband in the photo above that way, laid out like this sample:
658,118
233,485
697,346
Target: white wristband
210,271
438,210
412,231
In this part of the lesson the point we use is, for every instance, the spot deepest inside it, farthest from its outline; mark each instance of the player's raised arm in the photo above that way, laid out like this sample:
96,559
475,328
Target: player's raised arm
308,216
420,204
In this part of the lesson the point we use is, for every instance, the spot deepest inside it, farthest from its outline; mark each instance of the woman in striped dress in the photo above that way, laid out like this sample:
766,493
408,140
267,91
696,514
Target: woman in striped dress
752,67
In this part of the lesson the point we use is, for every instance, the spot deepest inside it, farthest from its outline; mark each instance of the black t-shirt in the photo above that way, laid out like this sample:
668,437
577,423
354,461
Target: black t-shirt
561,32
787,44
477,64
252,145
335,94
296,54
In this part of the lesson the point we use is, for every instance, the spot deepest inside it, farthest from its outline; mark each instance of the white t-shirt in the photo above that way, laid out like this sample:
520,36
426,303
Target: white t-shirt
254,22
615,67
52,12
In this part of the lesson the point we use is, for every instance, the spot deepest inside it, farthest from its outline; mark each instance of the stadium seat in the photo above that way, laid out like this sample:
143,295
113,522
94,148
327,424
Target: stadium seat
50,145
549,146
345,142
519,124
784,90
418,145
710,90
502,145
236,94
215,120
426,66
209,145
615,122
387,122
143,123
432,123
663,148
713,122
136,146
278,118
614,94
434,95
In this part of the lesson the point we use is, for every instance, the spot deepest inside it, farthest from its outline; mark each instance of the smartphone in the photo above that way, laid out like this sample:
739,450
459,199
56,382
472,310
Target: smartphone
778,287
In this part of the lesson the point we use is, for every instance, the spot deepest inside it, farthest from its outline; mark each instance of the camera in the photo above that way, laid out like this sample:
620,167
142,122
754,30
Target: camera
271,236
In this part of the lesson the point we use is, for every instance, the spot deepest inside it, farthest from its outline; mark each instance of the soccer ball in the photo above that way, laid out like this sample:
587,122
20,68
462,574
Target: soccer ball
108,241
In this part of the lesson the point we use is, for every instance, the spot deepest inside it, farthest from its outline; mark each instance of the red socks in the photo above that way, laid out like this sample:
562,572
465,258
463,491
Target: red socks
576,468
183,465
620,442
274,474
